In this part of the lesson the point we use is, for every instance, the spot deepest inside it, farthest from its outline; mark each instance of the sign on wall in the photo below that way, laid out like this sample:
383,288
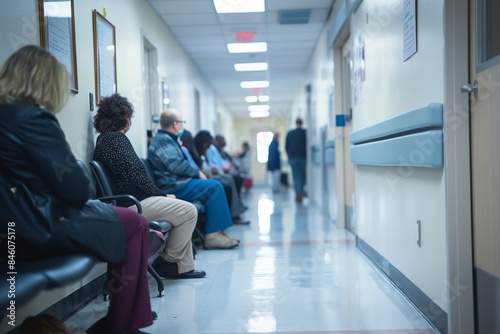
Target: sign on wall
409,29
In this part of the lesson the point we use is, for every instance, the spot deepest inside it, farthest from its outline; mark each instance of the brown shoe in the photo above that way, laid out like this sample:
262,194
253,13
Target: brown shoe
237,240
218,240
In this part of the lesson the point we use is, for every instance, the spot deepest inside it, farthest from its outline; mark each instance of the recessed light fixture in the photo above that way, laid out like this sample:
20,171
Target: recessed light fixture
251,99
239,6
263,98
259,114
241,67
247,47
258,107
260,98
254,84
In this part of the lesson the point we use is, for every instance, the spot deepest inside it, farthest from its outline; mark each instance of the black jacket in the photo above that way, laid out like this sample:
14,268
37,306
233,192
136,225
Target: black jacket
35,156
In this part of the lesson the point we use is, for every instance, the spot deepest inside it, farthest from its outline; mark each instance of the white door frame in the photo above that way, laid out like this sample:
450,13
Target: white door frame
459,288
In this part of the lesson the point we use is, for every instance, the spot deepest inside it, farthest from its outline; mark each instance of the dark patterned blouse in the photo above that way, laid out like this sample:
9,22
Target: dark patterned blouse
125,169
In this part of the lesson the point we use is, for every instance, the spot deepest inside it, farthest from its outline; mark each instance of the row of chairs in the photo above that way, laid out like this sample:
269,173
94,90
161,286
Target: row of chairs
104,190
34,277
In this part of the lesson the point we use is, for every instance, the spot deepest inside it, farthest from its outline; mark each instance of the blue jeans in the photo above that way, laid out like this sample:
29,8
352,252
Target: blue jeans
211,194
298,173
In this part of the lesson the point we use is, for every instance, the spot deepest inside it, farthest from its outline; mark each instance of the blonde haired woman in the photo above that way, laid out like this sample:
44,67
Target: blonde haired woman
35,156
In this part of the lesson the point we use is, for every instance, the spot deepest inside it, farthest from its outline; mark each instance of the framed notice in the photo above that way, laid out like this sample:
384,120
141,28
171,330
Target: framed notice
104,57
409,28
57,34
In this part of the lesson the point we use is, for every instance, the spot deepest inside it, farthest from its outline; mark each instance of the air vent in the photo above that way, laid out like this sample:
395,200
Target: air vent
300,16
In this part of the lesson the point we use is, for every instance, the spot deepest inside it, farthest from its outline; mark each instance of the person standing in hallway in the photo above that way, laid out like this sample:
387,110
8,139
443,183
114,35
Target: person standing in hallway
296,148
274,162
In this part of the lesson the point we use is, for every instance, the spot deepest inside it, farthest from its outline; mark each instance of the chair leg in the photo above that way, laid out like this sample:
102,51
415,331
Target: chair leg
200,235
105,291
158,280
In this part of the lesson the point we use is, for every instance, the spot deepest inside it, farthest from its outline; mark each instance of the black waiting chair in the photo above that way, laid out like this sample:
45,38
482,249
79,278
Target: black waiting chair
156,244
24,280
38,275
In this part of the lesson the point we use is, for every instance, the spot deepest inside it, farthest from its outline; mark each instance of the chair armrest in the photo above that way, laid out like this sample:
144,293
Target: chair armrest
161,226
115,197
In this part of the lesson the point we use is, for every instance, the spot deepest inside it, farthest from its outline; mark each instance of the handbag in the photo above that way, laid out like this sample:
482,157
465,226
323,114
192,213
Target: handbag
40,227
248,183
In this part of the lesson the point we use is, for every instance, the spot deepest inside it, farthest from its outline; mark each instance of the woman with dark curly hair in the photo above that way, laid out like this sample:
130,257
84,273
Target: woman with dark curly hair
128,174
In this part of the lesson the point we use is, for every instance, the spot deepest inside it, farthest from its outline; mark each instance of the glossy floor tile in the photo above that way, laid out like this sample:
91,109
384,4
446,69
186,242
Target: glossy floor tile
294,272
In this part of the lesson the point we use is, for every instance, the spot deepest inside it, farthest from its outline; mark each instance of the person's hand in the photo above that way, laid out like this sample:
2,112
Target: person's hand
202,176
171,196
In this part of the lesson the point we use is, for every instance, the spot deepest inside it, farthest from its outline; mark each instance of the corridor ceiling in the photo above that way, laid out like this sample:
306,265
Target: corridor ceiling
291,29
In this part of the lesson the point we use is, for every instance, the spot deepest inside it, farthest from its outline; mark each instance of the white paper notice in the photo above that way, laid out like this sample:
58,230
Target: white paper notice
106,60
59,40
409,29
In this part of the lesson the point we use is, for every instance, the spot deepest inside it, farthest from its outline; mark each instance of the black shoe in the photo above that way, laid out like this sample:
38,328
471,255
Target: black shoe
170,270
191,274
99,327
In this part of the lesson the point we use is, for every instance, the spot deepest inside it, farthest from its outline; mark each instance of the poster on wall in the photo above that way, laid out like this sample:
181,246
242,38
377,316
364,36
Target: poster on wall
359,70
409,29
57,34
104,56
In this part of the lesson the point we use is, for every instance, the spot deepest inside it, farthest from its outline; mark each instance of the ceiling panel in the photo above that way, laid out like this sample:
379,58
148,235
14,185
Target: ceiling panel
203,34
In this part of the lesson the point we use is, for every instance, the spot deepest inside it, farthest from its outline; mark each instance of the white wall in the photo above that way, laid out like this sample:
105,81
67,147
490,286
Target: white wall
246,130
133,20
390,200
319,75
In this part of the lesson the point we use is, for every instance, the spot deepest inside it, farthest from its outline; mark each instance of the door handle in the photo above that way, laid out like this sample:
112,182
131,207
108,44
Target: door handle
468,88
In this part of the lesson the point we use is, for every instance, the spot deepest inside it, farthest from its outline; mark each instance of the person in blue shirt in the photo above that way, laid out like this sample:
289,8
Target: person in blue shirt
274,162
175,175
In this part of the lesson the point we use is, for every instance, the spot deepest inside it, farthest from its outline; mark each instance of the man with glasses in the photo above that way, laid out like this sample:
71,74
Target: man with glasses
175,175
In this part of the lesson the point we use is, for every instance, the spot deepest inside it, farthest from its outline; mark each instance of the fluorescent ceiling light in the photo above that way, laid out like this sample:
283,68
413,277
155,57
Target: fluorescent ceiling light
260,98
239,6
251,99
263,98
251,67
259,114
247,47
259,107
254,84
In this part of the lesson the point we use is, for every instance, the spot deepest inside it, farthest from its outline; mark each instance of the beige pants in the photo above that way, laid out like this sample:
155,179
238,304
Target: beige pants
183,216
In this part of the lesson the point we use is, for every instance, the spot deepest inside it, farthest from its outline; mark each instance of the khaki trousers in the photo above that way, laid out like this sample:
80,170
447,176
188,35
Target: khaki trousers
183,216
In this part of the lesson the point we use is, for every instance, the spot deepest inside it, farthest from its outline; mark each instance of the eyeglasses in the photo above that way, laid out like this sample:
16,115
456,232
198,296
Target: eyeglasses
183,122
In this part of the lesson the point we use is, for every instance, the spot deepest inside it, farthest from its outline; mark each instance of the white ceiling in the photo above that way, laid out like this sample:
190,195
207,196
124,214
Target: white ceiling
204,34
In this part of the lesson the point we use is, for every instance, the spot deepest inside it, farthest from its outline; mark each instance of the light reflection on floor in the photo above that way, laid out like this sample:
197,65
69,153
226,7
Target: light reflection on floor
294,272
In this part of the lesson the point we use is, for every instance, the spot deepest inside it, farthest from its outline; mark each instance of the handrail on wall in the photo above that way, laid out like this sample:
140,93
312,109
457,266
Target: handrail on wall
414,138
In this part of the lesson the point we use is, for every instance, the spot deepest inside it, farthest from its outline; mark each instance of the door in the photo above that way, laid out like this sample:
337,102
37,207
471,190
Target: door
325,194
152,104
347,129
485,159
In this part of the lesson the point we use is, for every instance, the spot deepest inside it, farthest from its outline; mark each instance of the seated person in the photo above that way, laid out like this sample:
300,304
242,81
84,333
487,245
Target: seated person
174,174
203,143
244,160
219,154
128,174
34,154
187,145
